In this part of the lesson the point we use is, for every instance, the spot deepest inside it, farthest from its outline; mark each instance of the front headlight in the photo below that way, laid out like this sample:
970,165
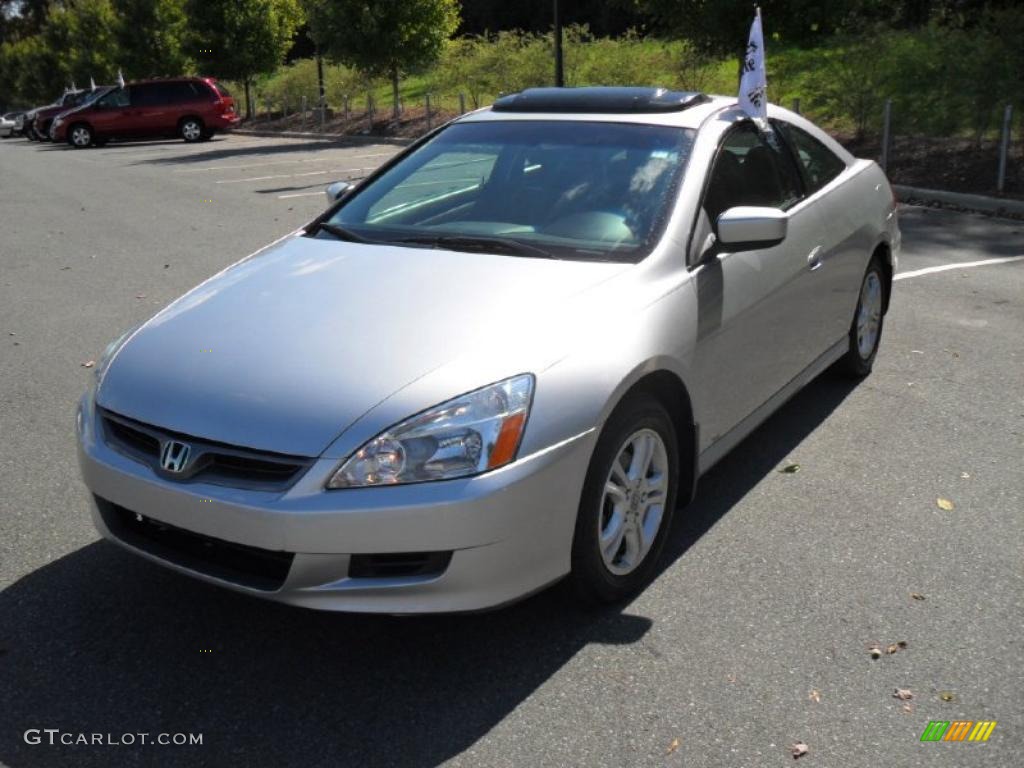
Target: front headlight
471,434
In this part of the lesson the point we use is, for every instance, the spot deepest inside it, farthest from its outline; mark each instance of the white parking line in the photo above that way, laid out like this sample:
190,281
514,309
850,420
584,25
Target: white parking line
299,194
961,265
293,175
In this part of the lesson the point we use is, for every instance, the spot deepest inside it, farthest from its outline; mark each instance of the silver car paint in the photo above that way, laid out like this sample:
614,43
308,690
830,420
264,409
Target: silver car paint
325,344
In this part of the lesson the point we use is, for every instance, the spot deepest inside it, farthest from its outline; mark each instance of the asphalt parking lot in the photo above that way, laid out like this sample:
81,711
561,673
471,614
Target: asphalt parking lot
754,636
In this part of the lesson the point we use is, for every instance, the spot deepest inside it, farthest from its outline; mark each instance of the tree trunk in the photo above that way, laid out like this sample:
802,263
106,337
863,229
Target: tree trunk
248,98
394,90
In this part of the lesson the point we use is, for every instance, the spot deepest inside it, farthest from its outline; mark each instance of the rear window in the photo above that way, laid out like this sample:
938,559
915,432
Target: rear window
820,164
222,90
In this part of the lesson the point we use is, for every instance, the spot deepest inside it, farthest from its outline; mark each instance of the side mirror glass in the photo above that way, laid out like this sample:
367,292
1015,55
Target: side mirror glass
748,227
337,190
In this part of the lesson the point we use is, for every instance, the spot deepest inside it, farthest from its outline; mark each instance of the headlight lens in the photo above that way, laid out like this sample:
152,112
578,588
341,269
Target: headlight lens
471,434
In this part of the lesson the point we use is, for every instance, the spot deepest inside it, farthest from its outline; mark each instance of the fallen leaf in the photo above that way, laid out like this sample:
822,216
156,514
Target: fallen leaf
672,747
64,269
893,647
875,651
917,351
799,749
790,469
965,476
947,695
917,596
88,363
166,266
730,678
908,707
902,694
814,695
945,504
140,295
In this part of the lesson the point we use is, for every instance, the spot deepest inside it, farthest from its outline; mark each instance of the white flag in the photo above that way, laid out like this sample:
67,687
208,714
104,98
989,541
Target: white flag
754,82
120,78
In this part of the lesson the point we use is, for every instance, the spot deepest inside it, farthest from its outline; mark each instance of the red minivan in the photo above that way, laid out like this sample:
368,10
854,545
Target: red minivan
193,108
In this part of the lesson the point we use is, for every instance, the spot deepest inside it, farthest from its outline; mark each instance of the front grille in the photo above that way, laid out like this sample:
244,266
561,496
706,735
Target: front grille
210,462
247,566
398,565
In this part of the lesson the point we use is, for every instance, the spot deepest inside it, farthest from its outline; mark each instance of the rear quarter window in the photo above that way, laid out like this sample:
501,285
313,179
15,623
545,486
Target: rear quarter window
818,163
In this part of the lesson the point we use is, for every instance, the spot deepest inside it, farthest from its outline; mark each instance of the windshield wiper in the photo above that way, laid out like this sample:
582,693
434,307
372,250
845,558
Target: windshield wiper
341,233
480,244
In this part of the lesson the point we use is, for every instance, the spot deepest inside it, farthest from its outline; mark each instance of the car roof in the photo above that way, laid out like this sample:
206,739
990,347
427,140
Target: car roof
691,115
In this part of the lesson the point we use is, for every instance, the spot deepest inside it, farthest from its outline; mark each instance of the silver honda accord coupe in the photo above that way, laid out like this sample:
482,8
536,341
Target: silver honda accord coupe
504,358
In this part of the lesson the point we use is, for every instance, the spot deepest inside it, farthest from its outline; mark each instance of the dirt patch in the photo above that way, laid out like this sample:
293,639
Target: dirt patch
955,165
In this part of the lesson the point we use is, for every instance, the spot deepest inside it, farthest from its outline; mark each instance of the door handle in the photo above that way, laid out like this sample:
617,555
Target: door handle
814,259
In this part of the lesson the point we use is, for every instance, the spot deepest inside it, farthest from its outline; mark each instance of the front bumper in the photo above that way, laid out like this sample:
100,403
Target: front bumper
503,535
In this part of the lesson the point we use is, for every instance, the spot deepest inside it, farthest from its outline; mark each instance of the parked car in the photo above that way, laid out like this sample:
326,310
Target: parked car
502,359
42,124
67,100
194,108
8,124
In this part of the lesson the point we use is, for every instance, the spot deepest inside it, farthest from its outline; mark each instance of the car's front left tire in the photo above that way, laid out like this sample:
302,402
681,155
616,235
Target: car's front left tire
80,136
866,329
191,129
627,503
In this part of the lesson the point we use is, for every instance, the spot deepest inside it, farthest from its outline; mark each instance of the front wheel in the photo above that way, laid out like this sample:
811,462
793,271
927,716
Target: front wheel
627,503
80,136
866,329
191,129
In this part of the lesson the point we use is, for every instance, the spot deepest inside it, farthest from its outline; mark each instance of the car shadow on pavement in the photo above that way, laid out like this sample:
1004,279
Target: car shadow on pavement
265,149
100,641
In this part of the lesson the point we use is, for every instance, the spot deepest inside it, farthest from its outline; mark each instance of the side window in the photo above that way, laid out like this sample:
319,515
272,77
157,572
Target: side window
118,98
820,164
750,171
180,93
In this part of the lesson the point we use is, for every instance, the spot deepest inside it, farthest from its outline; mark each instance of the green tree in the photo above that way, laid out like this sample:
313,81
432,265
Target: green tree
240,39
383,37
151,37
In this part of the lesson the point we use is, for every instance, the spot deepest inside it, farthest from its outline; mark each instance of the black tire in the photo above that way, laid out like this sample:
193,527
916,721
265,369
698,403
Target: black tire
191,129
81,136
207,135
857,362
593,582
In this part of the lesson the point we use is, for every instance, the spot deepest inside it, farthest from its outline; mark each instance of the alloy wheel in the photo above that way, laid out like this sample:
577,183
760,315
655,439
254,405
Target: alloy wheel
80,136
633,502
191,130
869,316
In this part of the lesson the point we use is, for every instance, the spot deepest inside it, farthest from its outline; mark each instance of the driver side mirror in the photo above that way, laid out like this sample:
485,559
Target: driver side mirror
337,190
747,227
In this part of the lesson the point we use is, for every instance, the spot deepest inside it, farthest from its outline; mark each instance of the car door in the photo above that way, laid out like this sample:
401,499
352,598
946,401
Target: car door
150,105
111,115
752,338
830,290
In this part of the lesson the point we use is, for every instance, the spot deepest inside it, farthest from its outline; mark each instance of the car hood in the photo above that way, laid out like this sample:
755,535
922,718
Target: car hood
284,350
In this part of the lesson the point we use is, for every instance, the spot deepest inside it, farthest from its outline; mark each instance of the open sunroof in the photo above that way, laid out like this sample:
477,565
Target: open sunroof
598,99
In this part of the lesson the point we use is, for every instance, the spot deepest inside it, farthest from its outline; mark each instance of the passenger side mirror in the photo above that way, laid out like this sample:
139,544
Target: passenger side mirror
747,227
337,190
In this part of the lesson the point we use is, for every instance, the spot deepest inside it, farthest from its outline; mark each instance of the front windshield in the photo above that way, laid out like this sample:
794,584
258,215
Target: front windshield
574,189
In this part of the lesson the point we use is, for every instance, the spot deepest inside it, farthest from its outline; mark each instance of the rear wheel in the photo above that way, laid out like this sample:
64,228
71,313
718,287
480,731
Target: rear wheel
191,129
866,329
80,136
628,499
